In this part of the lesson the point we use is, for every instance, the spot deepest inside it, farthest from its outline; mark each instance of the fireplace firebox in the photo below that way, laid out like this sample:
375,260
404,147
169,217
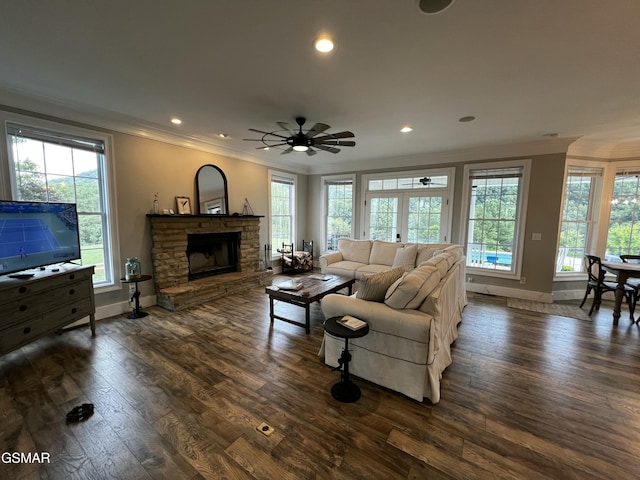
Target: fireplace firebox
212,253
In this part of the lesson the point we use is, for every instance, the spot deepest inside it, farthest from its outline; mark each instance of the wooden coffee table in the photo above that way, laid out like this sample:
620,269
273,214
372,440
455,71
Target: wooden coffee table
312,290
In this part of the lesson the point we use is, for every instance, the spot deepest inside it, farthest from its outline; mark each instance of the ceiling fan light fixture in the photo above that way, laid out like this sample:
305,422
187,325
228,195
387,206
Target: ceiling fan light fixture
324,45
300,148
176,121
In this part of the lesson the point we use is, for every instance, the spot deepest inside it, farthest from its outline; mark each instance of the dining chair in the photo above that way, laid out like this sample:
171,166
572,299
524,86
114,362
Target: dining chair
596,282
633,282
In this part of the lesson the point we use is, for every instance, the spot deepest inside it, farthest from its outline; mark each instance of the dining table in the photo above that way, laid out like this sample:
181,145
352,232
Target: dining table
623,272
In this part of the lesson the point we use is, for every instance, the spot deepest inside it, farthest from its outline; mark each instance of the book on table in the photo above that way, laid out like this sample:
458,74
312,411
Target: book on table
320,276
352,323
290,285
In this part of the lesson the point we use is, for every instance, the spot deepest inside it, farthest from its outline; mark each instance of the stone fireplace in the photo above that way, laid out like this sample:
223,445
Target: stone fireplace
198,258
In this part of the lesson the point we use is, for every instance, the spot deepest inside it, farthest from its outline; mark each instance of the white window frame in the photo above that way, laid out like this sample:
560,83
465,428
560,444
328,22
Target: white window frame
617,169
294,179
325,204
519,224
593,217
109,207
447,194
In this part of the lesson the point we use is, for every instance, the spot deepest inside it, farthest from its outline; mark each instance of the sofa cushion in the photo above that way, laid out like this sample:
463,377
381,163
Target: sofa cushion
354,250
374,287
406,257
383,253
371,269
344,268
411,289
426,251
440,261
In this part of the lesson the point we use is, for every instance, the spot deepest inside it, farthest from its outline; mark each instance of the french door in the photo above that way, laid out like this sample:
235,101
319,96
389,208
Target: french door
407,217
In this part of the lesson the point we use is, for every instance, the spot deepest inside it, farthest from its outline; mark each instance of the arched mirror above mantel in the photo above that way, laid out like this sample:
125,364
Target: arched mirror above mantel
211,191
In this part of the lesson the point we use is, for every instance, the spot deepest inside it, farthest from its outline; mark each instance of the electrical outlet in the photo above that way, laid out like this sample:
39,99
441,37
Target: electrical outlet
523,280
132,288
265,429
469,279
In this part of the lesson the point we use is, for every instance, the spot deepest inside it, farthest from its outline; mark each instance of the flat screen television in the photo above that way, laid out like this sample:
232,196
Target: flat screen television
37,234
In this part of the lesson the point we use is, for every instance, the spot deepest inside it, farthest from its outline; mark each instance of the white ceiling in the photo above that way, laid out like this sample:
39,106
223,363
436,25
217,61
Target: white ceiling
524,68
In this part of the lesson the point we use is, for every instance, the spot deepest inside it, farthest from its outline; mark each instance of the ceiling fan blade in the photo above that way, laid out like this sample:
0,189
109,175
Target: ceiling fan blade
339,143
267,133
311,152
285,126
331,136
327,149
288,150
317,129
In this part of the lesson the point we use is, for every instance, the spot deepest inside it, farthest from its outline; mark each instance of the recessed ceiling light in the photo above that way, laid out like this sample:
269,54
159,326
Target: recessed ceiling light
176,121
324,44
265,148
223,135
468,118
406,129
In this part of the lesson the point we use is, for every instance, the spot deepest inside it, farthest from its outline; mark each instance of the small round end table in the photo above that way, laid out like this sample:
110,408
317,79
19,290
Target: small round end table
137,311
345,390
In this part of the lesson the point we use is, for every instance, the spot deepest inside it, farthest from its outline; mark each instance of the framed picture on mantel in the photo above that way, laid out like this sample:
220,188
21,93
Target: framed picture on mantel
183,205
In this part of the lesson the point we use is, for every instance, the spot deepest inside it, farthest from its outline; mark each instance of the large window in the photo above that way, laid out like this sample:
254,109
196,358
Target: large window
495,213
581,191
282,209
624,220
408,207
339,201
66,165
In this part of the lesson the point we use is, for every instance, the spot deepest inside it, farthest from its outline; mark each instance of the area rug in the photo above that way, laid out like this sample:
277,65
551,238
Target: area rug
571,311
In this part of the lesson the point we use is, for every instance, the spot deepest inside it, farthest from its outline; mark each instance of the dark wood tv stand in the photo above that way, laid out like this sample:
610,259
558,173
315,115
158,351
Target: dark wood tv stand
44,303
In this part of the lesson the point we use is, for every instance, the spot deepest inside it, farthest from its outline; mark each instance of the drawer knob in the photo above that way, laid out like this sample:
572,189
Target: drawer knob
74,310
72,276
26,330
23,308
72,291
22,289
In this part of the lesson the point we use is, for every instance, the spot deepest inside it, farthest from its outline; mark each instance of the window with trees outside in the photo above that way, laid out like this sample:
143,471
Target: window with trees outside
624,219
410,206
494,220
282,209
581,191
339,198
58,166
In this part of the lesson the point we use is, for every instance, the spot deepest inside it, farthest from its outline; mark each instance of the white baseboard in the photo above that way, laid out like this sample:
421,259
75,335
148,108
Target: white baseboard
120,308
510,292
568,295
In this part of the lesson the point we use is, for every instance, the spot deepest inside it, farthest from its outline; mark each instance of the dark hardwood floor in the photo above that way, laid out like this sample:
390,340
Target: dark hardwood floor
179,396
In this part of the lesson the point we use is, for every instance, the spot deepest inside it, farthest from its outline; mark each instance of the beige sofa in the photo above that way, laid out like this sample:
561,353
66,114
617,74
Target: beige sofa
414,322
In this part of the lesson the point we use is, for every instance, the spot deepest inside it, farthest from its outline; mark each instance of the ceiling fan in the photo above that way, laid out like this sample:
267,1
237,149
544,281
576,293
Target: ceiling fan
300,141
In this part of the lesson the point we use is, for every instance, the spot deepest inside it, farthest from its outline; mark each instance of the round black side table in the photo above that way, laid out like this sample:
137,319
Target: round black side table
137,311
345,390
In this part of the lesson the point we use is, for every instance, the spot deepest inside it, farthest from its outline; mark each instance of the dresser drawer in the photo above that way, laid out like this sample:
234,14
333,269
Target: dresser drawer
26,288
22,309
17,335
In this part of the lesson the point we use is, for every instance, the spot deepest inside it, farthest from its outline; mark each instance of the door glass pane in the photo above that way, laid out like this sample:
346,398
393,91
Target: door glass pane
424,219
383,221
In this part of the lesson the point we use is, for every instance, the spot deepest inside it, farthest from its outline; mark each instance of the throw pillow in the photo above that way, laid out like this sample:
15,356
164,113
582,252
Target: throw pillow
406,257
373,287
411,290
